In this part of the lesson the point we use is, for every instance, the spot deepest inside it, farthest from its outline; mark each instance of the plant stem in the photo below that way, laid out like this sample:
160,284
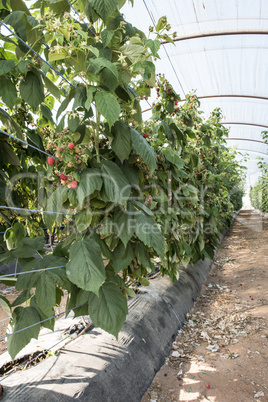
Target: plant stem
96,136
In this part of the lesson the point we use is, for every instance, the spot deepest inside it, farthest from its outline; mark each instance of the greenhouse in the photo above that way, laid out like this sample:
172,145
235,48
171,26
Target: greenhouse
133,200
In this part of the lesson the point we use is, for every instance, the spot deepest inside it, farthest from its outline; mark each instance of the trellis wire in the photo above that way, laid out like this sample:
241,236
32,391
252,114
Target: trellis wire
40,322
33,210
43,352
8,318
29,145
29,272
37,54
175,72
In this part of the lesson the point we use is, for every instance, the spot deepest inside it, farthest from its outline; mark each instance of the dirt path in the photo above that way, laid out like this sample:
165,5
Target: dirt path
221,353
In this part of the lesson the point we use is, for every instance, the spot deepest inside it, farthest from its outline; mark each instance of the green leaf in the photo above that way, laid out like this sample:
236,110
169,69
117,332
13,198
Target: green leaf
140,205
149,233
124,225
109,310
52,88
45,292
31,90
55,204
106,37
28,247
6,66
174,158
154,46
22,317
65,103
80,97
143,256
8,92
46,112
121,143
9,155
116,186
143,149
104,8
101,63
108,106
90,92
91,181
48,323
4,303
161,24
10,124
85,268
83,219
122,257
19,5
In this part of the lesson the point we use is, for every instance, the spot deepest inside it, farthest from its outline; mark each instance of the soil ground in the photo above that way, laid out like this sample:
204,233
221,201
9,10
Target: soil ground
221,353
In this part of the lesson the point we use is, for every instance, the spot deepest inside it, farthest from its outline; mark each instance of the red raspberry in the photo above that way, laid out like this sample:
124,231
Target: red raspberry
71,145
74,184
50,160
145,135
208,386
63,177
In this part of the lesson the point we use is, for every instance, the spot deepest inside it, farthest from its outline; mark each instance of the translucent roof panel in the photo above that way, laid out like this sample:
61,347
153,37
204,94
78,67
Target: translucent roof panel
221,53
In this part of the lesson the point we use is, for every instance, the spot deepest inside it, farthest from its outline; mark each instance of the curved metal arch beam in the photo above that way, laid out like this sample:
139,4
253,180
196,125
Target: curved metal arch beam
229,96
245,139
244,124
220,96
249,150
212,34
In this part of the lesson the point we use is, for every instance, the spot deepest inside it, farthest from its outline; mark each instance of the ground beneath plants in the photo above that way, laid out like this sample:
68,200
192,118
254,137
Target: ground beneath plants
221,354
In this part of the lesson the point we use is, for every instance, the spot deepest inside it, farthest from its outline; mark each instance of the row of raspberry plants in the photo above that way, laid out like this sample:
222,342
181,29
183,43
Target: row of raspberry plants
127,193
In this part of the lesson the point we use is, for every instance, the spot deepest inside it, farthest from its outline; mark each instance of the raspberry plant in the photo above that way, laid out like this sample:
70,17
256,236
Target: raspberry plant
126,191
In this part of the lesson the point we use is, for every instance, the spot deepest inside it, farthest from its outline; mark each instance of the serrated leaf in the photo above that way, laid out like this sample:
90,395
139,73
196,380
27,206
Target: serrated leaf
109,310
104,8
106,37
121,143
85,268
122,257
22,317
46,112
6,66
174,158
45,292
10,124
8,92
80,97
149,233
55,204
83,219
124,225
143,256
90,92
31,90
19,5
52,88
154,46
4,303
91,181
9,155
143,149
65,103
116,186
101,63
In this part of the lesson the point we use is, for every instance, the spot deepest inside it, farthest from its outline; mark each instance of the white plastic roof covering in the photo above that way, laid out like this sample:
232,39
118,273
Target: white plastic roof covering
232,61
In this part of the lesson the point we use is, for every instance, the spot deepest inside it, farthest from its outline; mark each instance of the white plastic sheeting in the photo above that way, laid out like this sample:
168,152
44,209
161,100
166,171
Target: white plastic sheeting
232,61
